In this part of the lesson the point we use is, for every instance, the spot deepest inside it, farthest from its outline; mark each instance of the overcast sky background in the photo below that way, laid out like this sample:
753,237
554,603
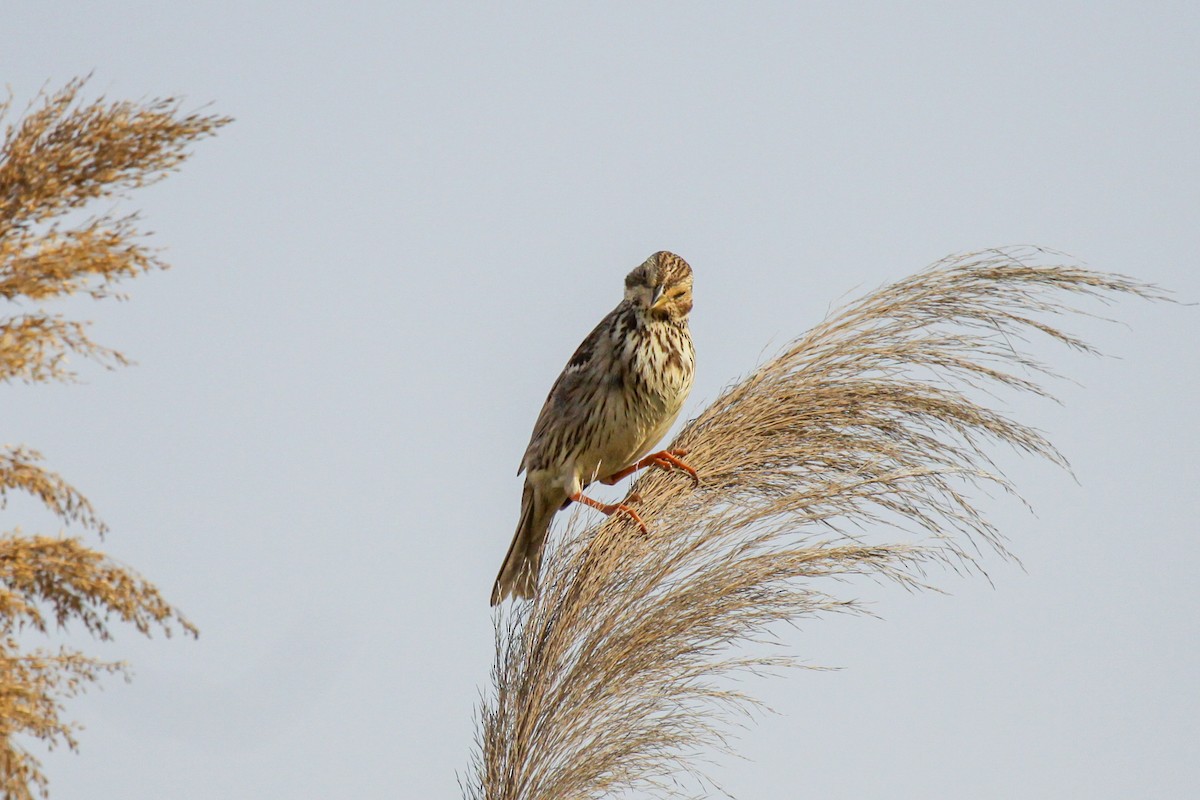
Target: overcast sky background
380,268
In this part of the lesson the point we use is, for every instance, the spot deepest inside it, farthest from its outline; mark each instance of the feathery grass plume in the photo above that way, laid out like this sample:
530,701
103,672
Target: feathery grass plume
610,681
61,156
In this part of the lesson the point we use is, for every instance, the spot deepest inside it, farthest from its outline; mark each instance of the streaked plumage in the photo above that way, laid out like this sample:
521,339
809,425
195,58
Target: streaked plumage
616,398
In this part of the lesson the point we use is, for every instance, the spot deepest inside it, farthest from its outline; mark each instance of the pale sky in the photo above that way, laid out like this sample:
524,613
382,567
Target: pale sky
381,266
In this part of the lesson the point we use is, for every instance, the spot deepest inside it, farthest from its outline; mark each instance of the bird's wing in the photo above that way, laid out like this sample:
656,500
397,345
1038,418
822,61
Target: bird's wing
576,386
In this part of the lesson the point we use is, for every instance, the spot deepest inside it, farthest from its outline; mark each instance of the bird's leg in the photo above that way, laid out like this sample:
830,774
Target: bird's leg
612,508
666,460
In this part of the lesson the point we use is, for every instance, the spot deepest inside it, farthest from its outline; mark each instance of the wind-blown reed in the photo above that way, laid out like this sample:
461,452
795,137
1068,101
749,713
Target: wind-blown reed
609,681
58,158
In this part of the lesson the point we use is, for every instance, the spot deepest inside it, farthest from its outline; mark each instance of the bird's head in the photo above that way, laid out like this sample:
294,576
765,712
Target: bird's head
661,286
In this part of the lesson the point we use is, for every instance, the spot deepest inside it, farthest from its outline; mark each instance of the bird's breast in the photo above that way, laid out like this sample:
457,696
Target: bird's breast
663,365
645,395
632,403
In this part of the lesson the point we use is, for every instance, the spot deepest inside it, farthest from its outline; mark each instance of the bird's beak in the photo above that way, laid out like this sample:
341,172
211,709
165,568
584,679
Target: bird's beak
658,293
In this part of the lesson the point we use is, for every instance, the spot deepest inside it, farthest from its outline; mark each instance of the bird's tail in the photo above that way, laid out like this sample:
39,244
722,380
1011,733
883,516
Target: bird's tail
519,575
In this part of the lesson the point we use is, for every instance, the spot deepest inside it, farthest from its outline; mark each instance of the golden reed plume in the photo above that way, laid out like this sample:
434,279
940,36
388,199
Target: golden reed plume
59,157
611,679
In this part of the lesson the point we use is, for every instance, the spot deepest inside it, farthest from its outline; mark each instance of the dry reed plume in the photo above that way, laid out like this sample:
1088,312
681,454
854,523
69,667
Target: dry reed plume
59,157
611,680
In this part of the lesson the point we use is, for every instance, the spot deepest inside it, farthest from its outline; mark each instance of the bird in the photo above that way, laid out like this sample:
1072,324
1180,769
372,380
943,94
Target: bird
616,398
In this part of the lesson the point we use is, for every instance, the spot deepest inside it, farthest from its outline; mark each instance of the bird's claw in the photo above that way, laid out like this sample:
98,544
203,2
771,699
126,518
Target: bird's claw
612,508
633,515
670,460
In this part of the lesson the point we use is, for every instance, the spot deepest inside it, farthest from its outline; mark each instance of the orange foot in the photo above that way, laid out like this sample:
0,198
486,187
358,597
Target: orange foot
666,460
612,508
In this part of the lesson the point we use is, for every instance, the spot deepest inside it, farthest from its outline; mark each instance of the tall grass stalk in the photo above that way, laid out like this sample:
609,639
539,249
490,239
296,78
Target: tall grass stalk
57,161
613,679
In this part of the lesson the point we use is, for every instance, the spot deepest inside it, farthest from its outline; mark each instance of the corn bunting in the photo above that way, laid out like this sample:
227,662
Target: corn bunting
618,395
